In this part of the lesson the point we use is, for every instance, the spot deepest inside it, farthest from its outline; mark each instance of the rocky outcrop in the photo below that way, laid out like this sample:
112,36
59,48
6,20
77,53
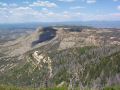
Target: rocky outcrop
41,60
65,37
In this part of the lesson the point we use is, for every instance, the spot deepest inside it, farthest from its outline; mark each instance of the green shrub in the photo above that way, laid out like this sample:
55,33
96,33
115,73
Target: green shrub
112,88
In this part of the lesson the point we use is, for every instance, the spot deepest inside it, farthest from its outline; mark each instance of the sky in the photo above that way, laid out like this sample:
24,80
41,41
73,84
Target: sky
20,11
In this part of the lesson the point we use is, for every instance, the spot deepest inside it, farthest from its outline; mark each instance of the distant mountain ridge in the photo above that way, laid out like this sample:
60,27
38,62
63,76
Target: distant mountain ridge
97,24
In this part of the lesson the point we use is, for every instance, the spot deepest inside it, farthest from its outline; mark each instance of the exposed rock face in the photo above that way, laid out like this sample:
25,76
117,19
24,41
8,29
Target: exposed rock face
67,38
26,43
23,44
93,40
62,55
43,59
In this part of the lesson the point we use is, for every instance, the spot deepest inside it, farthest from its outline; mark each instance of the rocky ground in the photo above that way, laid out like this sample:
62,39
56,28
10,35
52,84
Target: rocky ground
75,55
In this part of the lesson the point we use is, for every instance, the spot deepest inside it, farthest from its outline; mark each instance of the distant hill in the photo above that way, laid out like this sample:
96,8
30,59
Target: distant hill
97,24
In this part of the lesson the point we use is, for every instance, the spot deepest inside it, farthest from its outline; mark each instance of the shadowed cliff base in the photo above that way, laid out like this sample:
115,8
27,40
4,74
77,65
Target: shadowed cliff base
47,34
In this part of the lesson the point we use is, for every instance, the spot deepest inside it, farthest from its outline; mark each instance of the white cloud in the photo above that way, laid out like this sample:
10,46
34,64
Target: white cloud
8,5
118,7
15,14
44,4
115,0
90,1
116,14
101,17
67,0
77,7
28,14
3,4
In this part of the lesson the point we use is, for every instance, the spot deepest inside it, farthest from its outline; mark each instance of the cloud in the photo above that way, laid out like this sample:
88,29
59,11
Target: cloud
115,0
77,7
13,13
17,14
118,7
67,0
102,17
47,4
8,5
90,1
28,14
3,4
116,15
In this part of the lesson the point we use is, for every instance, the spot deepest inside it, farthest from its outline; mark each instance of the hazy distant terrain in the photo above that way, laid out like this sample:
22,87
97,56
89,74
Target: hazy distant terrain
9,32
58,55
